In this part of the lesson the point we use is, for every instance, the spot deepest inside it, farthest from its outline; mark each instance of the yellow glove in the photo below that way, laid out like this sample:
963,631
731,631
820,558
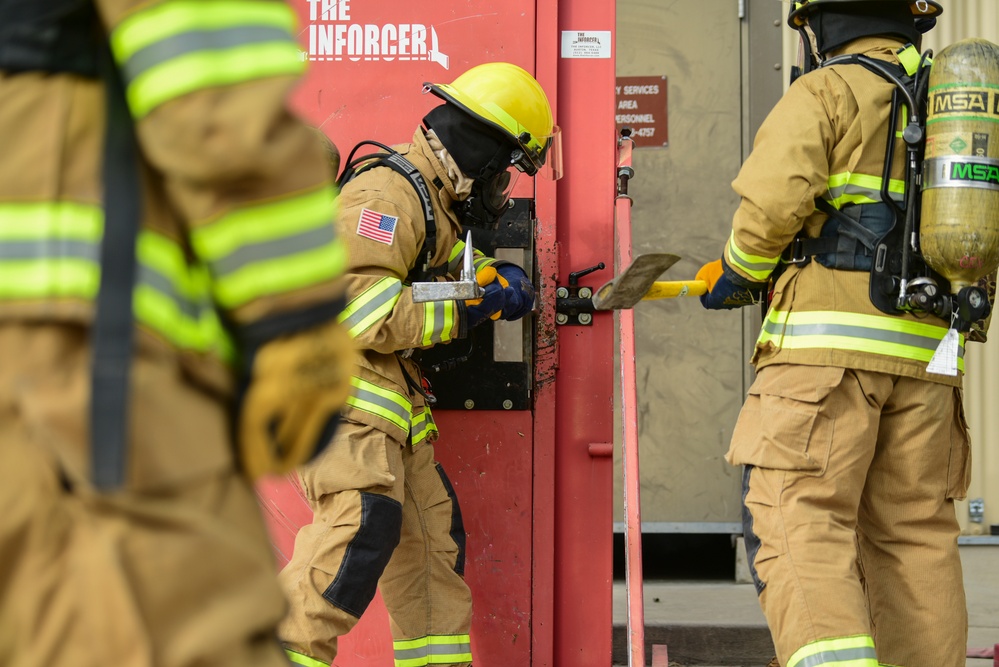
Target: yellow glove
485,276
299,383
710,273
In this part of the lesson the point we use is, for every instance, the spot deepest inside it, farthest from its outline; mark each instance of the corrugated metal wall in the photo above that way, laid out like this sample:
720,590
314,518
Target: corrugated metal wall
962,19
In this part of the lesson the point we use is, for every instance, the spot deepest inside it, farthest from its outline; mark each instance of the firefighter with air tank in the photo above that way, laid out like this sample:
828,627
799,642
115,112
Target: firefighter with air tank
868,223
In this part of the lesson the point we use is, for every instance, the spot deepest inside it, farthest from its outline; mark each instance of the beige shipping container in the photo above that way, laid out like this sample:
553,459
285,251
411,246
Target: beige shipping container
726,63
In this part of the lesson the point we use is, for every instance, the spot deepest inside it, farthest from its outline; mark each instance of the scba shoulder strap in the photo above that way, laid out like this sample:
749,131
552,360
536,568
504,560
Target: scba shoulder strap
868,236
391,158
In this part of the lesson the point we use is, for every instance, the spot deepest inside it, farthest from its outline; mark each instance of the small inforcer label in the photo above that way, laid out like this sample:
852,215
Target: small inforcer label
586,44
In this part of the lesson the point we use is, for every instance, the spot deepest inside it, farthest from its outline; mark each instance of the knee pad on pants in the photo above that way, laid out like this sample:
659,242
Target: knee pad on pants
368,553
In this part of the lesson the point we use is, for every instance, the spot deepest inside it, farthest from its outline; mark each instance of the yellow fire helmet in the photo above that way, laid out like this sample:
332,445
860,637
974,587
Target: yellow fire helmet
800,9
506,97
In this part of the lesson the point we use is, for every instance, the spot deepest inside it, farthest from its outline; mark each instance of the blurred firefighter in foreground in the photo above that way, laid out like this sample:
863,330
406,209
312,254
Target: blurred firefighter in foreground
385,513
160,259
853,437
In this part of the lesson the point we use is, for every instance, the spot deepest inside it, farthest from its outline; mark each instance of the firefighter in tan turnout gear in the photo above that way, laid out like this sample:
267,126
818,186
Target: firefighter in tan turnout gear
853,438
385,514
170,166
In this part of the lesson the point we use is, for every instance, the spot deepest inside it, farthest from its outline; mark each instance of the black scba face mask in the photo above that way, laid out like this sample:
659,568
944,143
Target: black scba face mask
484,155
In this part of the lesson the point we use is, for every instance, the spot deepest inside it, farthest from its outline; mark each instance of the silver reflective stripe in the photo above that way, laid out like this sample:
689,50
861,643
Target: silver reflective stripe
436,314
269,250
843,656
163,285
371,305
49,249
424,655
788,330
198,40
382,403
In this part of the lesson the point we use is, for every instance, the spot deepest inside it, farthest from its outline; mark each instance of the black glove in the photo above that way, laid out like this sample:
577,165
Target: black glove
519,291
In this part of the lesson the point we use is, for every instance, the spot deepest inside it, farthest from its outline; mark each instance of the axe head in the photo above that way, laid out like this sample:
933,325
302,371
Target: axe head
628,287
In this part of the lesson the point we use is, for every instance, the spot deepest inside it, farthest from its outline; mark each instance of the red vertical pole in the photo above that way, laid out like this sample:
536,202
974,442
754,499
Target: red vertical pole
629,406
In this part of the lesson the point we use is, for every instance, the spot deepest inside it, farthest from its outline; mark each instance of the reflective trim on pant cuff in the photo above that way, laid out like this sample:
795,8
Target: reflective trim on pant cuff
433,650
300,659
857,651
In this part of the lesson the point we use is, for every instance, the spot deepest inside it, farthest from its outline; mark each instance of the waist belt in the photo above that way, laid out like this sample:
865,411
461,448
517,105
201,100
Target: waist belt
848,238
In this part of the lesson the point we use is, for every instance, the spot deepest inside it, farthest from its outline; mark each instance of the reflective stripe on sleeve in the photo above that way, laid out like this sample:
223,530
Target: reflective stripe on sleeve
433,650
757,267
371,305
271,248
875,334
181,46
439,322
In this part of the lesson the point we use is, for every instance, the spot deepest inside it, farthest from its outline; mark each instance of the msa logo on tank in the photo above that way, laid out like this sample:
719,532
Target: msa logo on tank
335,34
984,102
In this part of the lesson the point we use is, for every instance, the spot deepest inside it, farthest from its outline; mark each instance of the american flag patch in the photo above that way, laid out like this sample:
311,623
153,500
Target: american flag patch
377,226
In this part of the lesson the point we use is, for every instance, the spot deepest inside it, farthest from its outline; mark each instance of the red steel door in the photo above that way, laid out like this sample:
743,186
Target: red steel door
534,484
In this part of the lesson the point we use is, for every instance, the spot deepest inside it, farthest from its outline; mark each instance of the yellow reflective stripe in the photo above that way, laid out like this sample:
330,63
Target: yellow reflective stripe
757,267
371,305
300,659
422,424
439,320
385,403
271,248
181,46
432,650
850,188
50,278
47,220
875,334
855,651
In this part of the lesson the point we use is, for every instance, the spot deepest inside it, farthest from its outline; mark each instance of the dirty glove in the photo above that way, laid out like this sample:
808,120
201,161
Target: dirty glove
726,288
297,386
519,291
491,304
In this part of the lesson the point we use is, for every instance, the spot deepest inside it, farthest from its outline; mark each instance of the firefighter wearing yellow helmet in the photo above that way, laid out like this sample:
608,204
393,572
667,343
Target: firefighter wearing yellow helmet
385,514
852,439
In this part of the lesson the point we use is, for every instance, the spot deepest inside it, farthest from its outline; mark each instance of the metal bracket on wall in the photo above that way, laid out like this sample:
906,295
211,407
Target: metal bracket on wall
464,374
574,304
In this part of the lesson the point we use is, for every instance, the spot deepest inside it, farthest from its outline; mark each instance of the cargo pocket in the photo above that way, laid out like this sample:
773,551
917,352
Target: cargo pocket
959,463
782,425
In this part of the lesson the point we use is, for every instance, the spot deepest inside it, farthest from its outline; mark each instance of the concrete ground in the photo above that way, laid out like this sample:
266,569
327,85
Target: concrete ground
720,624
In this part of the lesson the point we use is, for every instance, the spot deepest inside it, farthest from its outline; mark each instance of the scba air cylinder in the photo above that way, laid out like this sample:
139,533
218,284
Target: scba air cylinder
959,227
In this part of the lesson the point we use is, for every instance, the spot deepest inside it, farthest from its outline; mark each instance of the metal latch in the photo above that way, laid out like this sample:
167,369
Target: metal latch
574,304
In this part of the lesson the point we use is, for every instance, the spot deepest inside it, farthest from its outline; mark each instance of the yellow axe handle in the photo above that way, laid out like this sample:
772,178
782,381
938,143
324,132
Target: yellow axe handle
667,289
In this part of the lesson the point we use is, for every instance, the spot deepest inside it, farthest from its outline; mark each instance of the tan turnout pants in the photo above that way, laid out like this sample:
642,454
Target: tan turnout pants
849,517
175,571
368,493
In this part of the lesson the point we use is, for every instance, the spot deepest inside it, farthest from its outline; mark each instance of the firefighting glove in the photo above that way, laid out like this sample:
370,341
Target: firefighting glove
298,384
726,288
519,291
491,304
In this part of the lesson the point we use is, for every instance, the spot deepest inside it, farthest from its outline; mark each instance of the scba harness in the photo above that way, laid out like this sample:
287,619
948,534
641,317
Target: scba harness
869,236
391,158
